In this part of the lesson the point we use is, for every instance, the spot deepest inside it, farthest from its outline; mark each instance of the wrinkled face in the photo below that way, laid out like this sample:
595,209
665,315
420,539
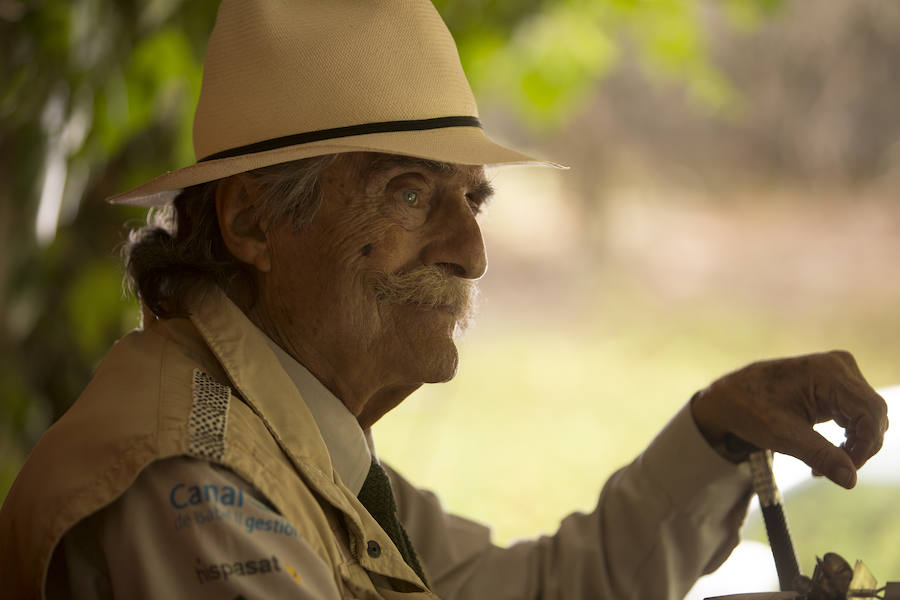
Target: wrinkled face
378,283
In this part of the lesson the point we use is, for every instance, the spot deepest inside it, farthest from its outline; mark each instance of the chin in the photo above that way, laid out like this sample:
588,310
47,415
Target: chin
438,367
444,376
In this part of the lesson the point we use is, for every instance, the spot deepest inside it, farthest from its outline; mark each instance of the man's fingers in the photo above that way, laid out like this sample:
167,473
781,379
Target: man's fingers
840,392
861,449
822,456
864,418
868,436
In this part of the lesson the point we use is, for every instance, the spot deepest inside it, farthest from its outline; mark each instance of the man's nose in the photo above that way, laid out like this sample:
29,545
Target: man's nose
456,241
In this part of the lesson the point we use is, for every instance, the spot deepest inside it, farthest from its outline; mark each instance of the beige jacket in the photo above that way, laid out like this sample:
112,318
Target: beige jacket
211,389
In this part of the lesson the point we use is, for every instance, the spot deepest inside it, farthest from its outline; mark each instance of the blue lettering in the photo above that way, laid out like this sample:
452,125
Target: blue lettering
172,496
215,493
208,493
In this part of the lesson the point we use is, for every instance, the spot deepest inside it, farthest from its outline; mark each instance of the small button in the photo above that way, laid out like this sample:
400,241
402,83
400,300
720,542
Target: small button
373,549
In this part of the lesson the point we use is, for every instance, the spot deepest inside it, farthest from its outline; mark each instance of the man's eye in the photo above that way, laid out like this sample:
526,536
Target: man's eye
474,204
409,197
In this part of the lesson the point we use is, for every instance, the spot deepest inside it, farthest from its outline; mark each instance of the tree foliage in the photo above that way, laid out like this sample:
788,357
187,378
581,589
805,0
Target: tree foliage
541,58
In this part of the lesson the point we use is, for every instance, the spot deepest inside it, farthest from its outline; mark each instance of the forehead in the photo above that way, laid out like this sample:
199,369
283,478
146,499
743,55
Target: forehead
370,164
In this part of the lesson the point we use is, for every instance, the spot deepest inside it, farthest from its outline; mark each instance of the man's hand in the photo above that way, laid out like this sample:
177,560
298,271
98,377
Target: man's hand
774,404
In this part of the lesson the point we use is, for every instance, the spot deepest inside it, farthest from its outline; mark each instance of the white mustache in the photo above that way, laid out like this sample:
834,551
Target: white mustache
429,286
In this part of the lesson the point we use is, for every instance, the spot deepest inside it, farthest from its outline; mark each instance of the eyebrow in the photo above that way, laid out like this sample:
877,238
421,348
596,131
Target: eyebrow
481,188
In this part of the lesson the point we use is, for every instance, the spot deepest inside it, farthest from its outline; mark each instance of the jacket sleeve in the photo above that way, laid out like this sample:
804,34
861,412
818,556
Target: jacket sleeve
188,529
660,523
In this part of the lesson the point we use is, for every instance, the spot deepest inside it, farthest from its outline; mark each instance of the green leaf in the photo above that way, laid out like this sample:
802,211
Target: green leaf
94,307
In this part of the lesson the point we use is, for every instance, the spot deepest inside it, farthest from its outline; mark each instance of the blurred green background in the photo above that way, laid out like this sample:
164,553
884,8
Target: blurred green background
735,171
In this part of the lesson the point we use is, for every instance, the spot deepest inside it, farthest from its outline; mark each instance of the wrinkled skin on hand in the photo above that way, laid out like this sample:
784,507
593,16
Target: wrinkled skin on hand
774,404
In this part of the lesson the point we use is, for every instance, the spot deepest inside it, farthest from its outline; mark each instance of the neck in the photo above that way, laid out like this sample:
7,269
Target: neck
383,402
358,387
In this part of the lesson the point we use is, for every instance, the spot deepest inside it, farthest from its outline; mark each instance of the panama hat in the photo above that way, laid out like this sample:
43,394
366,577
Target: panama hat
291,79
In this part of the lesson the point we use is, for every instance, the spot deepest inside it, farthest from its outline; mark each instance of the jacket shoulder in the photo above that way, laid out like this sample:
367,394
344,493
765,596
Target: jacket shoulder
134,411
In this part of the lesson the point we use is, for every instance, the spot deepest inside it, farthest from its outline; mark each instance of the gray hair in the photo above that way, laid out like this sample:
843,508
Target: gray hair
181,249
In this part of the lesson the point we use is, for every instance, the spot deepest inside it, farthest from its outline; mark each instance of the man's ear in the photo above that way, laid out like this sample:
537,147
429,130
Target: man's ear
243,230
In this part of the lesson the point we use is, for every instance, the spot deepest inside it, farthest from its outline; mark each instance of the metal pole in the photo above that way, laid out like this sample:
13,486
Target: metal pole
776,524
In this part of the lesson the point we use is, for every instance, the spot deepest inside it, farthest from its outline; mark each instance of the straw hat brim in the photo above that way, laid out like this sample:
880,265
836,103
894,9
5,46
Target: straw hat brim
459,145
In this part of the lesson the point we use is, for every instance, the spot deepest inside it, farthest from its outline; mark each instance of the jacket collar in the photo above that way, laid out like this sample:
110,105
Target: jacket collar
348,445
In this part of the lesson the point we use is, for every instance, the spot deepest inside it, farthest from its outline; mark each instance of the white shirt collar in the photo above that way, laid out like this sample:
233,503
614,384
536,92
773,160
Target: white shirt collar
350,448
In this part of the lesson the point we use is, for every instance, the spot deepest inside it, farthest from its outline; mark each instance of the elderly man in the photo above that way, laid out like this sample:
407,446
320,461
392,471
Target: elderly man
301,280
